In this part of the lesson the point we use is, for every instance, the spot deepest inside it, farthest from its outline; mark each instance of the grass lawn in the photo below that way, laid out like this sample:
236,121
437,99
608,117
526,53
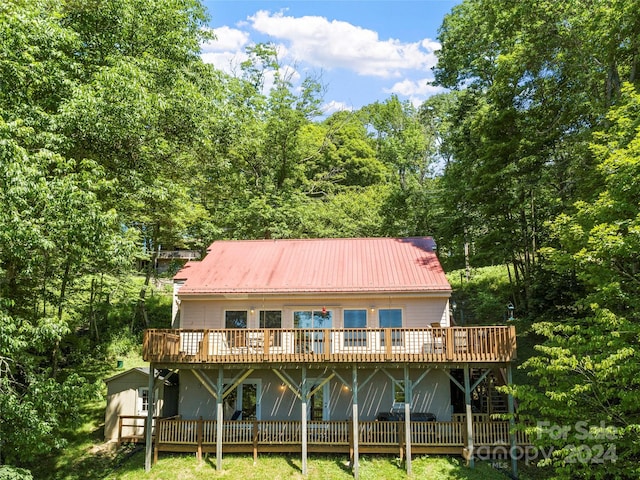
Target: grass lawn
275,467
87,457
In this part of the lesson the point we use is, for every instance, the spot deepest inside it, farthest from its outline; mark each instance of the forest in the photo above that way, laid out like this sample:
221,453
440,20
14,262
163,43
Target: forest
117,140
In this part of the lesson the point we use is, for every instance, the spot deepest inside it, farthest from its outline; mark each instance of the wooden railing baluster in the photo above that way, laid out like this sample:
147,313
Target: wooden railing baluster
440,345
378,436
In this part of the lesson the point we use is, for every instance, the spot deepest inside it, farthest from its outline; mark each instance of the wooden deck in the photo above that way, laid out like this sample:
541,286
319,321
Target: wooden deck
375,345
199,436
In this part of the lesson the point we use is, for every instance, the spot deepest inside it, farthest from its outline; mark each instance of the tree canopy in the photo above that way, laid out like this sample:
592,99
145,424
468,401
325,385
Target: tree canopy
541,137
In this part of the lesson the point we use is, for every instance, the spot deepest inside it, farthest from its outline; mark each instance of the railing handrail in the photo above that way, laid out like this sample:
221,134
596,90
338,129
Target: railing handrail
454,327
411,344
138,417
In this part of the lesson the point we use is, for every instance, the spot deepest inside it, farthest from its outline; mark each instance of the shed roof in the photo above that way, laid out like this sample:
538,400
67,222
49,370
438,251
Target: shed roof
163,374
338,265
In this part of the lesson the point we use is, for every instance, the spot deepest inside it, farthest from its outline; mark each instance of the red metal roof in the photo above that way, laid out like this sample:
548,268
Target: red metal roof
339,265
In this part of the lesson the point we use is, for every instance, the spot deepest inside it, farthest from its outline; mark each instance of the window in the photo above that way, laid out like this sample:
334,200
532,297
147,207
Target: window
143,400
236,319
272,319
250,403
319,401
391,318
355,319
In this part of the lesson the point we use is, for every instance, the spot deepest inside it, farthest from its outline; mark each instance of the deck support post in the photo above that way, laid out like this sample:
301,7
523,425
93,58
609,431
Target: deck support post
219,419
305,394
512,423
148,431
199,439
408,392
469,415
356,454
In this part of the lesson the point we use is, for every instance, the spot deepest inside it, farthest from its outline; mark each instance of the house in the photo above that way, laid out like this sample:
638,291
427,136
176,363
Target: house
168,261
172,260
326,345
128,403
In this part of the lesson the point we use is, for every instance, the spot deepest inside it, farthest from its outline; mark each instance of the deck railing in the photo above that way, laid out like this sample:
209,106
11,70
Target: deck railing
452,344
177,435
132,428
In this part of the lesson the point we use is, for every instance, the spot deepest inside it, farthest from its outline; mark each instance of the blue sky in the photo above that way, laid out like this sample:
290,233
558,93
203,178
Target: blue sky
362,51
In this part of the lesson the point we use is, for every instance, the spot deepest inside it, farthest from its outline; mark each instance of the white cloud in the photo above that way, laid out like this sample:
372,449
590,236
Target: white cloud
422,87
314,42
290,73
417,91
227,40
431,45
228,62
334,106
226,51
337,44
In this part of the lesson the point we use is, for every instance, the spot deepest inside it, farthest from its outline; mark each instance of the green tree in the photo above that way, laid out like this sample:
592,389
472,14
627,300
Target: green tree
100,123
262,170
588,368
338,153
537,79
37,65
52,232
354,212
408,148
140,112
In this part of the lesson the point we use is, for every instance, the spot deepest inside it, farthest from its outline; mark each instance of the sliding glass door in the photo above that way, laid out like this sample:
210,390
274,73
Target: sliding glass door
312,341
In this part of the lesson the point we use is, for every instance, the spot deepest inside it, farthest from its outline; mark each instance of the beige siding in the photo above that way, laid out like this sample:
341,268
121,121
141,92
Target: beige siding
194,400
118,403
417,312
420,313
199,314
175,304
279,403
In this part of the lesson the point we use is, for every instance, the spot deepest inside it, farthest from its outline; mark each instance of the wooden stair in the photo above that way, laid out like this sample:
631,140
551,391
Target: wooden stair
491,400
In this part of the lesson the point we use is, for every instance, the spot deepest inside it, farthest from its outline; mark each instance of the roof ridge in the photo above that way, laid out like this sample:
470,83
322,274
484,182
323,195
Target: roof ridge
313,239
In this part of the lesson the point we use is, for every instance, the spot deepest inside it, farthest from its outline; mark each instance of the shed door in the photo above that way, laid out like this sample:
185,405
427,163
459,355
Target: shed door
142,404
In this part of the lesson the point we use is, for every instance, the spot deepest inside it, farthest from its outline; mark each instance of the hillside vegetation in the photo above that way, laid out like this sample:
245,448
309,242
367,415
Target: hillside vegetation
116,140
